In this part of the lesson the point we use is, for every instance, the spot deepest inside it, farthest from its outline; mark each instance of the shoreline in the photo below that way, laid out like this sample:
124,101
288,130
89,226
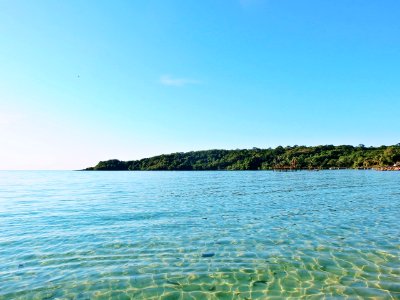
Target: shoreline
267,170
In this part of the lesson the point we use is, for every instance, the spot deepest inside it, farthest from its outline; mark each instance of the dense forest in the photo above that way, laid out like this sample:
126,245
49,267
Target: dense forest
282,158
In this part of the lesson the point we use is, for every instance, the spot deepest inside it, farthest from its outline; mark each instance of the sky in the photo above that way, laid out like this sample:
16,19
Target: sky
84,81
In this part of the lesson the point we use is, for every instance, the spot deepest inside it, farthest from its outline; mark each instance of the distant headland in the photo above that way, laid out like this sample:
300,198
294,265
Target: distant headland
280,158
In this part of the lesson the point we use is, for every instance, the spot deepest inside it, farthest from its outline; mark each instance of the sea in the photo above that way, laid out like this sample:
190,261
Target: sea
331,234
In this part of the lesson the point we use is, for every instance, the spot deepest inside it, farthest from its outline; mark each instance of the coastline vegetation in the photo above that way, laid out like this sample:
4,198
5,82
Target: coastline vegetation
280,158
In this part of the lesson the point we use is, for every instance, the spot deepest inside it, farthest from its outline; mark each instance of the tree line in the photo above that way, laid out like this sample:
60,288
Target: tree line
290,157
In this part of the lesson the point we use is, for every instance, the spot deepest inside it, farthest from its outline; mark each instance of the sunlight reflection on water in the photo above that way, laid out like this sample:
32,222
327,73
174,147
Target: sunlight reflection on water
199,235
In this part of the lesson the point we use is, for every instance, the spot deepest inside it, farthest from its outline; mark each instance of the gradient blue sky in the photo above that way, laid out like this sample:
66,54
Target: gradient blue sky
83,81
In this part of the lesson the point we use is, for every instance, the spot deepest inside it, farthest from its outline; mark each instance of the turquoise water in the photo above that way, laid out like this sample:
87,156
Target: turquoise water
199,235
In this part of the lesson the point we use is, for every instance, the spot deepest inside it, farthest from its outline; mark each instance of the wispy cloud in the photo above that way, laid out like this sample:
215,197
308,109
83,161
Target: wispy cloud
171,81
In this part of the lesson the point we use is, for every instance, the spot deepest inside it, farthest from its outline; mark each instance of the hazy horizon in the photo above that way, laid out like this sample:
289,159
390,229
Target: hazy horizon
129,159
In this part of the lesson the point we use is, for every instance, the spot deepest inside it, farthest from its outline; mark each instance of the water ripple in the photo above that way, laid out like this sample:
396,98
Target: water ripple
199,235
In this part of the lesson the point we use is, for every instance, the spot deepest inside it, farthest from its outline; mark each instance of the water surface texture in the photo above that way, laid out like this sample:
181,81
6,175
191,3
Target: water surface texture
199,235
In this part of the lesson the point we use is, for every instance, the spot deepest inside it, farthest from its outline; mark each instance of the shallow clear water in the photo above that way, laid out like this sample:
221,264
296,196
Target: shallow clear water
199,235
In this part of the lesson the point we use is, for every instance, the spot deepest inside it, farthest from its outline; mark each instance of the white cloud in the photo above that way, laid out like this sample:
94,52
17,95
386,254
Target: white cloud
171,81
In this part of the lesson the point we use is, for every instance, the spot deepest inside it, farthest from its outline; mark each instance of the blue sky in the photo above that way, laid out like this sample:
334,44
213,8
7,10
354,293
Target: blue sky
83,81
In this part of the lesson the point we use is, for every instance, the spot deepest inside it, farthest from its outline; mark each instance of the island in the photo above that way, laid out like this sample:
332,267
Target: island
280,158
